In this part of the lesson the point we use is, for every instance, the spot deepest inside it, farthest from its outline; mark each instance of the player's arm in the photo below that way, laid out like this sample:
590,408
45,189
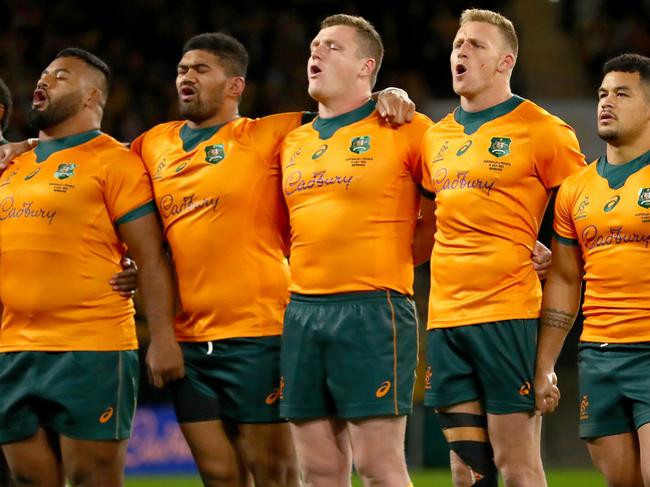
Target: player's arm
8,152
560,305
425,230
394,106
143,236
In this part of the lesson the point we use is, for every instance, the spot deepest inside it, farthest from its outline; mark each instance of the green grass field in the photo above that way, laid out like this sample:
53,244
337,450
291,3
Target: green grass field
428,478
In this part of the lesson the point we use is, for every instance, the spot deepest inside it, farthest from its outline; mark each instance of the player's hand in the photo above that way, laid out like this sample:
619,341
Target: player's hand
394,106
164,361
547,393
125,282
541,260
9,152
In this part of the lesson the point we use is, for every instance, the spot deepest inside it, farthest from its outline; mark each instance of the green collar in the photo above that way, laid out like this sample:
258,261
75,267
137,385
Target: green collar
46,148
472,121
617,174
193,137
327,126
3,141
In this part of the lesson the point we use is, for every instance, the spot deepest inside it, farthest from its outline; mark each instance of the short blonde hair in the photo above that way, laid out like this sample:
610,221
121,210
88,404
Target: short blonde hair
370,45
504,25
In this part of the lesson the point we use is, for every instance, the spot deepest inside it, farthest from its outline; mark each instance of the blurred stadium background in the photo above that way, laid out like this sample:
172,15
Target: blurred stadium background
562,46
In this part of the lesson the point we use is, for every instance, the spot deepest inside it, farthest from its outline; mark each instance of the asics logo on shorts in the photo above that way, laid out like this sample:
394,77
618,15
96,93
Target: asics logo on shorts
273,397
276,394
383,389
525,389
106,415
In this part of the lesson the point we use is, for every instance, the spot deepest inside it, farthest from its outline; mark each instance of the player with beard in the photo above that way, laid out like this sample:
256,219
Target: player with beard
68,358
123,282
602,231
216,180
232,270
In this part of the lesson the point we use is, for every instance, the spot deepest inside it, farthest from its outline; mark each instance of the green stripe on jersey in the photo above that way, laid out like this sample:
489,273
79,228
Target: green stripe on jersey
140,211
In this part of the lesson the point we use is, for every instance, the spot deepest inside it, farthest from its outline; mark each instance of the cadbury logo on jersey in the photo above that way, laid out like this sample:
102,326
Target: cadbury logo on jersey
214,154
462,180
9,209
319,179
593,238
170,206
65,170
359,145
500,146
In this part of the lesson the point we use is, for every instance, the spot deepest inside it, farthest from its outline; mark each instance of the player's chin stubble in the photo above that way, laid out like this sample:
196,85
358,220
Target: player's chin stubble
197,112
55,113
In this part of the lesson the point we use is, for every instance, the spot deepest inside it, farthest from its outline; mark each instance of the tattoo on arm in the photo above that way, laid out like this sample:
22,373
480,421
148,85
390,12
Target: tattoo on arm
556,318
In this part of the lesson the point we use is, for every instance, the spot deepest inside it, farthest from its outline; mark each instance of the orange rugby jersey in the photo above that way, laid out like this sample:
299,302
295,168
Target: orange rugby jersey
606,210
350,183
218,192
60,205
492,173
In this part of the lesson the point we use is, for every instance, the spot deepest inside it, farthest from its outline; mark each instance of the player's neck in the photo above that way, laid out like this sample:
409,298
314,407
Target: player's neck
221,117
486,99
624,153
338,106
71,126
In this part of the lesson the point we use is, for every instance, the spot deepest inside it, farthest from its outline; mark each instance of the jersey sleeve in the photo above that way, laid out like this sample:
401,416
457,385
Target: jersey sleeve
136,145
267,133
128,194
415,131
426,144
557,152
564,229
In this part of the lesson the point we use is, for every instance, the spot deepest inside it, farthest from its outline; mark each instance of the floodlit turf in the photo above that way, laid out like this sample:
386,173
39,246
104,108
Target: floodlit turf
429,478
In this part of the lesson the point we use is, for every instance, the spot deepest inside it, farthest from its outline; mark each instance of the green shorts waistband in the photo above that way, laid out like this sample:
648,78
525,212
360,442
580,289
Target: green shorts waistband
347,297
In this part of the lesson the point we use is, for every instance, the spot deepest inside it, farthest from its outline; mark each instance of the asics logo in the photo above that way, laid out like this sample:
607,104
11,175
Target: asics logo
383,389
106,415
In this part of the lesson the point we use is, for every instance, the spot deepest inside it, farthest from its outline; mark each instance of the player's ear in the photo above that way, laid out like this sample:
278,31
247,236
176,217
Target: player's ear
94,96
507,62
368,67
236,86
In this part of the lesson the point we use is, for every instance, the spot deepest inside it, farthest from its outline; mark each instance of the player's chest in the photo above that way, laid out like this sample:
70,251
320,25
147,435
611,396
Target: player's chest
461,164
51,191
348,165
215,167
603,216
